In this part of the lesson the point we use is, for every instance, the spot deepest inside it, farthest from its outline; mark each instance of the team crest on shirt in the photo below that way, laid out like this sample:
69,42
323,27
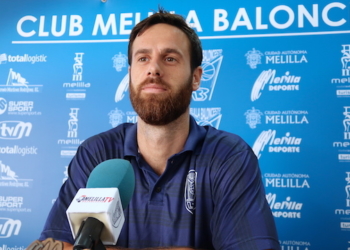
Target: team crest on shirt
190,191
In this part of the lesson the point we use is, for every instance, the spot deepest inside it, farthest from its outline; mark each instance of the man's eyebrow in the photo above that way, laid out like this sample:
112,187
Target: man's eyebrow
142,51
171,50
165,51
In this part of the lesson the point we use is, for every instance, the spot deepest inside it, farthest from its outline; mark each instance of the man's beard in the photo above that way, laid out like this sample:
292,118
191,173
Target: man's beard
161,108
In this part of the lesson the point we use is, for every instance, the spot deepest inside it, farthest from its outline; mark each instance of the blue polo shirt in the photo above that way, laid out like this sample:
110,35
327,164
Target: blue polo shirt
210,195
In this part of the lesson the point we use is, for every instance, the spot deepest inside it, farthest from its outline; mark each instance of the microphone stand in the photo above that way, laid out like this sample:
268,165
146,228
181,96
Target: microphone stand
88,236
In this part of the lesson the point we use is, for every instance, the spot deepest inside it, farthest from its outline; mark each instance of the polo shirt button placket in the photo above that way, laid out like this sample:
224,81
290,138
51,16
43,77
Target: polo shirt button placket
158,189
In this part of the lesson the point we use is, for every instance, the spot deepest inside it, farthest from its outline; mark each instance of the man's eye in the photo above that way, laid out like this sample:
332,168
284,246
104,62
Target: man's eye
170,59
143,59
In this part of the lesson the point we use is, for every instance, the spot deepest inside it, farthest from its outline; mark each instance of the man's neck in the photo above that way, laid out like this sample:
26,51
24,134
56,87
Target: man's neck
157,143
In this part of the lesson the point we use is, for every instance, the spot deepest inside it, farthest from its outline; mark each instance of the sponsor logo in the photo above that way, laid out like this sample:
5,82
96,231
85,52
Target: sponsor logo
253,58
286,82
11,201
119,61
9,227
284,209
73,123
9,178
346,122
342,146
14,130
72,140
78,67
7,173
4,58
117,117
21,106
190,191
15,79
76,89
7,247
16,83
347,189
276,117
286,180
17,107
76,85
345,225
345,59
340,80
68,153
72,132
338,144
75,96
344,157
17,150
285,144
211,64
342,211
13,204
343,91
3,105
294,245
84,198
123,87
286,117
253,117
207,116
286,57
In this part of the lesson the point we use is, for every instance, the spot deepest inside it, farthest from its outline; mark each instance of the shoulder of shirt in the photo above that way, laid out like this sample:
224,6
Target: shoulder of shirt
223,137
221,148
113,134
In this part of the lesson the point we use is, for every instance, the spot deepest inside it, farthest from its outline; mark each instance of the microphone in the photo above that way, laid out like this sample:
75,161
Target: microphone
96,213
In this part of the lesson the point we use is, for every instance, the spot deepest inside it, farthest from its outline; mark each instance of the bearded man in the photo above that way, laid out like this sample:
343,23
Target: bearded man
196,187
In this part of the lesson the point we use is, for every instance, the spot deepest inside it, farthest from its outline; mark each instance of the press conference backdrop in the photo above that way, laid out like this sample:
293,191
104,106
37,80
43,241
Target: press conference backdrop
276,72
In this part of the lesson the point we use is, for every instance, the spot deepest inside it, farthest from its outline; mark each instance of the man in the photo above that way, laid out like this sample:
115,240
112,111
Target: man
196,187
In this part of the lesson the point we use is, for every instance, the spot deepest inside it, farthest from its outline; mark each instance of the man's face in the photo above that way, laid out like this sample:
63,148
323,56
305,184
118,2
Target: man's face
161,81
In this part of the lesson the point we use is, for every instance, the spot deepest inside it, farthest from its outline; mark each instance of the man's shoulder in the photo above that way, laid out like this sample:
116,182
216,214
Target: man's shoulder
116,134
222,138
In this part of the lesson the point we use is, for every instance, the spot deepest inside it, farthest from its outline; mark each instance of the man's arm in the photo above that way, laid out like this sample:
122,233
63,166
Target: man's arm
67,246
242,218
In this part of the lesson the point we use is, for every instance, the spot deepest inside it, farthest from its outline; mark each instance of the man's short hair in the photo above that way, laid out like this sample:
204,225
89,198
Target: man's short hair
196,53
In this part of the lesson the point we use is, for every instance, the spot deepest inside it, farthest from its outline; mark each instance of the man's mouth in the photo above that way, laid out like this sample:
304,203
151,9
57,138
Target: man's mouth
153,88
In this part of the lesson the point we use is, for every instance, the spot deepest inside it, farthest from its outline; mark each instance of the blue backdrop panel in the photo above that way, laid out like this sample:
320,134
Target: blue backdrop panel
276,73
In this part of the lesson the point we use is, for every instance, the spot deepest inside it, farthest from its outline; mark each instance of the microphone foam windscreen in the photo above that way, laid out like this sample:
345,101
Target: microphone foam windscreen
114,173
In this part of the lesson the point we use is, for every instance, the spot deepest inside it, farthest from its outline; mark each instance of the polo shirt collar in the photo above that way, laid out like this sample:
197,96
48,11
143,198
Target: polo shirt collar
193,142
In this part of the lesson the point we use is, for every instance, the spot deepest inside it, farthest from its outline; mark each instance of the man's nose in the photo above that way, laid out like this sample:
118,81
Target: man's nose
154,69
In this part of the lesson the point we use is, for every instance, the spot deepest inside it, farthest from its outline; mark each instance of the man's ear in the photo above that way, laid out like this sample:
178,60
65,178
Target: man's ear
197,75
